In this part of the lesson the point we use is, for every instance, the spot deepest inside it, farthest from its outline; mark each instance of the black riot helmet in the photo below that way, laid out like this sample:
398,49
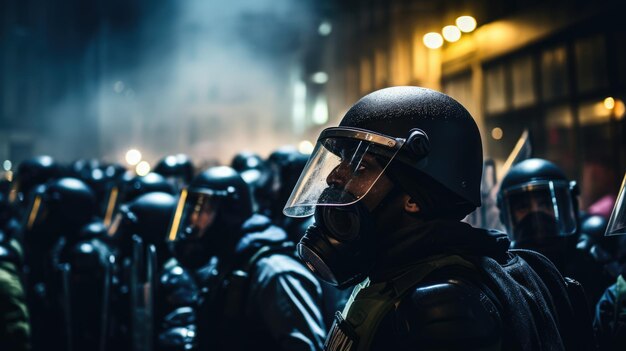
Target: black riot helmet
148,216
246,160
252,169
537,203
284,167
179,169
129,189
209,216
59,208
424,132
424,141
30,173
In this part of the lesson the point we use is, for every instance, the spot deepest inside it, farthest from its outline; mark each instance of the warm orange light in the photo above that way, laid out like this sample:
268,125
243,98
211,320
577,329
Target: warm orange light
619,109
305,147
177,215
497,133
466,23
451,33
433,40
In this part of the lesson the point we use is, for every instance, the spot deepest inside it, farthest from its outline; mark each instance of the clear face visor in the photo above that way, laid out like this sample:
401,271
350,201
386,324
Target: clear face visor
14,193
121,224
195,214
347,159
617,221
111,205
539,209
36,212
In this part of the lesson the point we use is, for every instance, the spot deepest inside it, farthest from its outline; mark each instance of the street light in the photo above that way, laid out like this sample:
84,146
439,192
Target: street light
325,28
142,168
305,147
433,40
451,33
466,23
497,133
133,157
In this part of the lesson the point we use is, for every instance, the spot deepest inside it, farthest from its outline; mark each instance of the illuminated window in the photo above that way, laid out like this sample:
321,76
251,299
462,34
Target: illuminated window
554,78
495,89
523,74
591,63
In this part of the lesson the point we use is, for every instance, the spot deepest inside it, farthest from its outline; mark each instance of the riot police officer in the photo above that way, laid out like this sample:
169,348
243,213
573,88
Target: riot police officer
57,212
388,189
30,173
255,294
283,169
177,169
254,170
538,207
161,295
129,188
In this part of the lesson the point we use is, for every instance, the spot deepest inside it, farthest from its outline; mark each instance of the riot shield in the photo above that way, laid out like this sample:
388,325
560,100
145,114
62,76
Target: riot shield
66,303
617,221
142,287
85,296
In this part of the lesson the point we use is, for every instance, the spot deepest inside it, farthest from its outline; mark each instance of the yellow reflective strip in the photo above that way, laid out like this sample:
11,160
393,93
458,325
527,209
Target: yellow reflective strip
15,188
177,215
33,213
110,206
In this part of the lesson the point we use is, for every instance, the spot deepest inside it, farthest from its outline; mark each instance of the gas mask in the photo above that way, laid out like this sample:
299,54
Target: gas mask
340,246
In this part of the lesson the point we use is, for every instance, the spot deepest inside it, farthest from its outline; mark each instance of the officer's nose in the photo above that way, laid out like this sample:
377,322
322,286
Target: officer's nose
339,176
535,206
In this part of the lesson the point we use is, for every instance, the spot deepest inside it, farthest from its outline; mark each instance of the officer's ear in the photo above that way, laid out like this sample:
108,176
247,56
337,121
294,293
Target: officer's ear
410,205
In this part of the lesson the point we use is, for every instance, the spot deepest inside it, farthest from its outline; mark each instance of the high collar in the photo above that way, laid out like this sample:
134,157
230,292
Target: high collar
437,237
258,231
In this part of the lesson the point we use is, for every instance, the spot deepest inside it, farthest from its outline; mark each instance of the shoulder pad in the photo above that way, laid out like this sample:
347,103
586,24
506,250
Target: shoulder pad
451,313
180,317
179,338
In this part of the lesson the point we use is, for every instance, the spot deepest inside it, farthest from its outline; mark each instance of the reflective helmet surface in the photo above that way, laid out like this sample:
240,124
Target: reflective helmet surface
177,166
61,207
148,216
128,190
30,173
427,133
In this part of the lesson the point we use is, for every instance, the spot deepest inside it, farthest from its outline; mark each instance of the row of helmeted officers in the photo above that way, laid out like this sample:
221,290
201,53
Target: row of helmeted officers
359,246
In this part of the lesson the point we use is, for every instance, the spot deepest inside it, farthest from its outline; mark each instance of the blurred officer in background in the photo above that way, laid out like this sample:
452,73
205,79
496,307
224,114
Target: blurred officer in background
176,169
255,294
161,295
539,208
55,217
